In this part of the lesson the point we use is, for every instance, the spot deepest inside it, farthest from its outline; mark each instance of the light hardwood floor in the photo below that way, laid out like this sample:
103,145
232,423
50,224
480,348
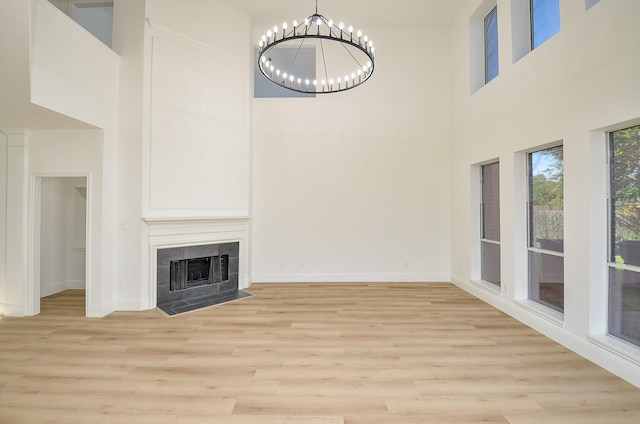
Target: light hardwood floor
301,354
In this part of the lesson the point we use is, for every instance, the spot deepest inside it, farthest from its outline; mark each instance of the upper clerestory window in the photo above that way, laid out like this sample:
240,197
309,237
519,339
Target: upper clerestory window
545,20
491,60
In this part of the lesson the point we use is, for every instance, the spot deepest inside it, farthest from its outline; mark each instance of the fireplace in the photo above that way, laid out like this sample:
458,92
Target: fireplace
193,272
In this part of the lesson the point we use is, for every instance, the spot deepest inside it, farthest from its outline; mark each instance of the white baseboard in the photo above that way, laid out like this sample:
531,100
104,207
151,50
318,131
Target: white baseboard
53,288
133,305
12,310
99,311
350,278
614,362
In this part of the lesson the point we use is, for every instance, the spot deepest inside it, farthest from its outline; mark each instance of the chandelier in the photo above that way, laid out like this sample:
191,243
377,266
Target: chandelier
347,55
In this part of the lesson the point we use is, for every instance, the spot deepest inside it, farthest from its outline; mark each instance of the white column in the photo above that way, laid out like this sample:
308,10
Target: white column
17,224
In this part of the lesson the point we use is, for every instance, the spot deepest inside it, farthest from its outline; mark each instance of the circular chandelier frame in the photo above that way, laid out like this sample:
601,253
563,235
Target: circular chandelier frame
317,27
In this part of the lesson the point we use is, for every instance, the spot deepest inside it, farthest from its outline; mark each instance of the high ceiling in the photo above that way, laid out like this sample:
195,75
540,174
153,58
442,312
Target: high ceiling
359,12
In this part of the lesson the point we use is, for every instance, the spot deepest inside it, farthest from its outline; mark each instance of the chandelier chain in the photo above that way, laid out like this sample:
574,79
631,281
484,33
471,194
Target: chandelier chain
326,74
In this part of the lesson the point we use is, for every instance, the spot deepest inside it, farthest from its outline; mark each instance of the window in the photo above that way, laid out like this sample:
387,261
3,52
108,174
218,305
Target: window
546,227
96,16
491,45
624,232
305,60
490,223
545,20
483,45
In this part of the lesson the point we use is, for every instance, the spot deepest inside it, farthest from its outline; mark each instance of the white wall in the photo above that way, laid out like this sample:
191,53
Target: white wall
79,153
183,141
572,88
129,230
72,72
355,186
197,150
62,261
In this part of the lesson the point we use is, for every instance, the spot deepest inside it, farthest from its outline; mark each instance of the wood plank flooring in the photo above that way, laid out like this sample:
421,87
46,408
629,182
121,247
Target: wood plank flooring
301,354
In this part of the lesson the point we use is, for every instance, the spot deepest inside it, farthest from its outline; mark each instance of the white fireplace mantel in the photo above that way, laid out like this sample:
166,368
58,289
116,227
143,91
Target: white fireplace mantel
167,232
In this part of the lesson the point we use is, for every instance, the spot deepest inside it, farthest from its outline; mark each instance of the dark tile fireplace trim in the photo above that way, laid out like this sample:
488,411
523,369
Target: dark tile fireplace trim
165,256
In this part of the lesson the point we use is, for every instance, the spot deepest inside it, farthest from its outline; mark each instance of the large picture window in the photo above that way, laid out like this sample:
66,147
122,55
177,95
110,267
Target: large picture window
546,227
490,223
624,230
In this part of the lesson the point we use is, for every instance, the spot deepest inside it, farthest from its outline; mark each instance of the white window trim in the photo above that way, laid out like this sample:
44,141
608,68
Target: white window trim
525,301
476,44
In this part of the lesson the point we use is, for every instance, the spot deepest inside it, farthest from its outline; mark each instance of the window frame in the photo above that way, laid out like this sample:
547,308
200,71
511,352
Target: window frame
532,26
477,62
611,262
530,245
483,239
487,79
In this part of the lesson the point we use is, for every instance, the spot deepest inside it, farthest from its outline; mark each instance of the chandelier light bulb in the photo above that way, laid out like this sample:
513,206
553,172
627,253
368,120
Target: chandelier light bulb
295,24
284,25
341,26
269,33
330,23
359,33
350,28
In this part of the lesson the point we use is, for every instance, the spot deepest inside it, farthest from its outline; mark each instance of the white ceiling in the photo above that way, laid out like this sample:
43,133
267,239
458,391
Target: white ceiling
357,12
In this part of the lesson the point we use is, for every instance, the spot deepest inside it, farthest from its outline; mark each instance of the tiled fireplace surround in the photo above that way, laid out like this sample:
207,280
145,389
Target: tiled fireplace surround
168,255
181,238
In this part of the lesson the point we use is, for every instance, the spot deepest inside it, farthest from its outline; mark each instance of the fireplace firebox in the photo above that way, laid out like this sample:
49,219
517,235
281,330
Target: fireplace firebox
194,272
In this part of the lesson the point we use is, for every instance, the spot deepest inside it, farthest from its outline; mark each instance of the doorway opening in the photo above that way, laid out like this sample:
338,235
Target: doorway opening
60,233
